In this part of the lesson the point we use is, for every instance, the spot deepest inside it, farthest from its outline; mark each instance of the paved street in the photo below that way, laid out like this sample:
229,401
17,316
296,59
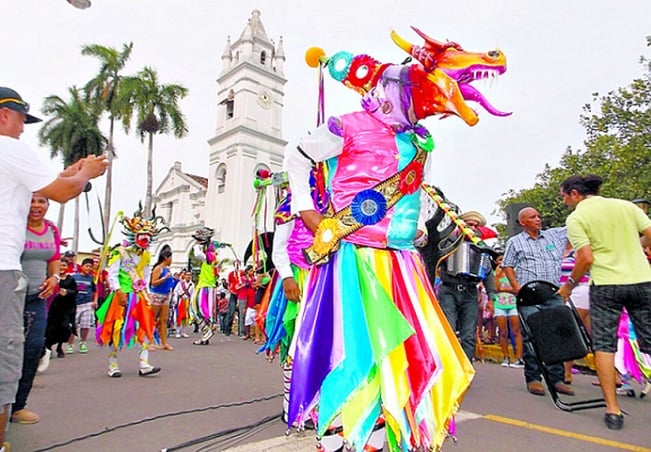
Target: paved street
206,394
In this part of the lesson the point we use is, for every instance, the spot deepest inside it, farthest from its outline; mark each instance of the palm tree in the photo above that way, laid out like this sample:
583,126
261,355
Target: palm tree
72,132
157,111
103,90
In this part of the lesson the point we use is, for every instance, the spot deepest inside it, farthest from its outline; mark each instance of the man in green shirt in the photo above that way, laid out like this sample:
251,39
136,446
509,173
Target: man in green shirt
608,236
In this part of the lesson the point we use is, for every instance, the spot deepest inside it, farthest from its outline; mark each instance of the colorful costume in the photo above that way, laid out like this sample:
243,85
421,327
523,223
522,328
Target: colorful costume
290,238
372,340
630,362
204,297
126,317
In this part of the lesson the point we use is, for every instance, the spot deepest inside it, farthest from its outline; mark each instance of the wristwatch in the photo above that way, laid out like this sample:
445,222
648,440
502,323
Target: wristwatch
572,282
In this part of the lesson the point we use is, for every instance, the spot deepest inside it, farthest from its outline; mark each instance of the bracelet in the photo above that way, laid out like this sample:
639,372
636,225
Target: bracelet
572,282
57,277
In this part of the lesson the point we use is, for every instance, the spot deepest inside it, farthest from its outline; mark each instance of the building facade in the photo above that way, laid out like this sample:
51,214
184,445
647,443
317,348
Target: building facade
248,137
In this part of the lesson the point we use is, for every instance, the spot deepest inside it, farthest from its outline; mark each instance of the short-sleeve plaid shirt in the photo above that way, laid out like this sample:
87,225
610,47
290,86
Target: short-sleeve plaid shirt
536,258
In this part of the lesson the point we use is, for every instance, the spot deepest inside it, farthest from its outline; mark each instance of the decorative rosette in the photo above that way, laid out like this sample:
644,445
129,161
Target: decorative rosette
139,284
128,264
411,178
361,71
424,142
339,64
368,207
326,236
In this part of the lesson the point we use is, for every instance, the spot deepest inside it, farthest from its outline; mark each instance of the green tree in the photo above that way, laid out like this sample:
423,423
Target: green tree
156,110
72,133
102,90
617,147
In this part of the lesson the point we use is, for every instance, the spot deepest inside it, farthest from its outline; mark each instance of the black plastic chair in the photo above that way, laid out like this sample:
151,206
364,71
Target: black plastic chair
554,335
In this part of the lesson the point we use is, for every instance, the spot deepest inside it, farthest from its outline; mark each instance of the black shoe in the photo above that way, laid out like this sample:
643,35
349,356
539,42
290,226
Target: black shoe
201,342
614,421
151,370
60,354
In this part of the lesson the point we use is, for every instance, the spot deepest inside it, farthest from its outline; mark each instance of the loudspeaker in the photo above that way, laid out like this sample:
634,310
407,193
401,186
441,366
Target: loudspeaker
556,335
512,210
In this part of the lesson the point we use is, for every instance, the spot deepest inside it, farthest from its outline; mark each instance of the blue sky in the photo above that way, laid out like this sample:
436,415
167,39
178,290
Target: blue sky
558,52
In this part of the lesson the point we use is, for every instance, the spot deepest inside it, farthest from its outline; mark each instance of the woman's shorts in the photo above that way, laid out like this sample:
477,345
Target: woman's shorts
505,312
581,297
159,300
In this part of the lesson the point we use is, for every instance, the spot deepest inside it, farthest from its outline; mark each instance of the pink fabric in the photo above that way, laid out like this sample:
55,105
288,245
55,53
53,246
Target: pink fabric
300,238
368,158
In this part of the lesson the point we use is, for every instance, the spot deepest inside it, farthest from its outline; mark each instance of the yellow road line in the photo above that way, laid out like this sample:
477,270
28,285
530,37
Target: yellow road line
555,431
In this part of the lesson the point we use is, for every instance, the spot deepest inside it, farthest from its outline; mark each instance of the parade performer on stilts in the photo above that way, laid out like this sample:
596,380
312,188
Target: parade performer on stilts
372,340
290,238
204,297
126,317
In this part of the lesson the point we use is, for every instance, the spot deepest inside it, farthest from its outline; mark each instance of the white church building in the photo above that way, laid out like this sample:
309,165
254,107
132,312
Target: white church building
248,137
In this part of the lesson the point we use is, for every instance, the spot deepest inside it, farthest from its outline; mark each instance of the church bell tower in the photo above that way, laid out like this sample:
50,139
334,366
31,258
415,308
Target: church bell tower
248,133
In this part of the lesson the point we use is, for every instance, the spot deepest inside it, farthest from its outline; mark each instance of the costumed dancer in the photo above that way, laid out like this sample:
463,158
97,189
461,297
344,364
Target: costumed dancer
203,299
291,236
126,316
372,341
183,292
630,362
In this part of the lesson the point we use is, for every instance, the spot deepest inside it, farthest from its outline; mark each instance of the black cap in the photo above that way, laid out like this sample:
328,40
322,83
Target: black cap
11,99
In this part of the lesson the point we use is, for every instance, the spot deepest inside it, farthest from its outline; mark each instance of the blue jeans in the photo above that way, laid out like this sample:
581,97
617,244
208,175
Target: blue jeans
460,305
34,322
531,370
232,306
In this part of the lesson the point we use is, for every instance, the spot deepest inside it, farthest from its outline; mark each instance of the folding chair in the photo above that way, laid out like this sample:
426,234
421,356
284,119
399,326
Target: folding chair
554,335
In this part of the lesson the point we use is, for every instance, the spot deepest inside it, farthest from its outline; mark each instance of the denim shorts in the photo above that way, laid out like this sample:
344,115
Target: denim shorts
510,312
606,303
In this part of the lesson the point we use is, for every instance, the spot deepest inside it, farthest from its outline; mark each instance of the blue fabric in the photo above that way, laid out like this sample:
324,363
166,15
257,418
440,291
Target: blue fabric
85,288
34,322
274,326
166,286
462,312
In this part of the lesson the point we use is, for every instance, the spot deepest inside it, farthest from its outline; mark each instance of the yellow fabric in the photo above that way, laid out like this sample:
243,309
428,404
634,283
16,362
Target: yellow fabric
611,228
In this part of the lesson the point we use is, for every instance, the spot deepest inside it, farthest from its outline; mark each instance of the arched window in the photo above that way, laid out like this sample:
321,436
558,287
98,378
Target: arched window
258,167
220,175
263,57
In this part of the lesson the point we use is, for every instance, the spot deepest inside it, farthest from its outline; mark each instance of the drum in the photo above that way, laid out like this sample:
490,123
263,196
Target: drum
469,260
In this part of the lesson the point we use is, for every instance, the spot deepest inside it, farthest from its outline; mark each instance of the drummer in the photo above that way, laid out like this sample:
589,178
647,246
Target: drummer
458,295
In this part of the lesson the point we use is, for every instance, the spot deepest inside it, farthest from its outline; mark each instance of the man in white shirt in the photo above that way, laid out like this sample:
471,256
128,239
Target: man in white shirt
21,173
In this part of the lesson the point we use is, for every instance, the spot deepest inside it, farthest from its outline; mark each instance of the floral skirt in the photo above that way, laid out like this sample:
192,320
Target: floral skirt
371,339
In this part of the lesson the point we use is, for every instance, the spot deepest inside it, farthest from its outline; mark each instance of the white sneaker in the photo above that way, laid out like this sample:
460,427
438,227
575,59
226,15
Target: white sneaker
177,335
517,364
185,335
505,362
44,362
114,372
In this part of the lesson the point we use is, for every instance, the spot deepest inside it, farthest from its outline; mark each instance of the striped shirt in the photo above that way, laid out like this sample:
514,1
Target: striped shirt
536,258
567,265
